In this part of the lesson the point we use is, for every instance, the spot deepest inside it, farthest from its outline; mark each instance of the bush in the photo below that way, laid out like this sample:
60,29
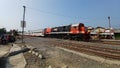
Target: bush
117,36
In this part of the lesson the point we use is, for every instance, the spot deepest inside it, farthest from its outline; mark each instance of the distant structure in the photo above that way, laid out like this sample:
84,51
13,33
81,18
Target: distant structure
101,33
35,33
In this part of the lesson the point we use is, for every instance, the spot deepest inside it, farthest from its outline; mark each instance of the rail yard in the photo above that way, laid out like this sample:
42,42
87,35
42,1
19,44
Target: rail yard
69,46
57,50
59,53
60,34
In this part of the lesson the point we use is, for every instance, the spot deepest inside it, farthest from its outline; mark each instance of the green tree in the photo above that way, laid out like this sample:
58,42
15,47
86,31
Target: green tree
2,31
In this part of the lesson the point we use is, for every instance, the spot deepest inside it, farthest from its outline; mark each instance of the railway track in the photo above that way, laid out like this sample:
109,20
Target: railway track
88,49
92,50
107,53
107,41
112,43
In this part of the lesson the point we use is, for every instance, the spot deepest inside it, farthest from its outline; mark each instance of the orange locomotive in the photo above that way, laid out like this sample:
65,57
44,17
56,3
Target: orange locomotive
73,32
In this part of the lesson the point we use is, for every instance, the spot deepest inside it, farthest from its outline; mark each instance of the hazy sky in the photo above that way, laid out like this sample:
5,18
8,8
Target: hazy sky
50,13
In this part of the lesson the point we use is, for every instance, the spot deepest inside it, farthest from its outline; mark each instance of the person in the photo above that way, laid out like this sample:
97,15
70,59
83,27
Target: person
3,39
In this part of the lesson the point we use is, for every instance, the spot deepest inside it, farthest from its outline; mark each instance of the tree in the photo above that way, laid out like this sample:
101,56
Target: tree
2,31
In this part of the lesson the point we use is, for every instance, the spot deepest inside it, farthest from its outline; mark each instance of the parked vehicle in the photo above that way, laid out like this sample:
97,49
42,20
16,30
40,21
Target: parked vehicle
6,38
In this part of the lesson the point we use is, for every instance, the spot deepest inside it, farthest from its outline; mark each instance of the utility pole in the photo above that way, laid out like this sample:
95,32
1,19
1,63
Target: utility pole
23,24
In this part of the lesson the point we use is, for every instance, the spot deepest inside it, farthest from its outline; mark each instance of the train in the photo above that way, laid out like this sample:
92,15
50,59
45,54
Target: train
73,32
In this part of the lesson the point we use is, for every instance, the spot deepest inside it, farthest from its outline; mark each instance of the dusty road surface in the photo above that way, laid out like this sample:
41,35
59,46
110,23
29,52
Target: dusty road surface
56,57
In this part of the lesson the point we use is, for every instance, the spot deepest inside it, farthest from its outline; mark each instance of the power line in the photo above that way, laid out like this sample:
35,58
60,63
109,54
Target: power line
59,14
53,13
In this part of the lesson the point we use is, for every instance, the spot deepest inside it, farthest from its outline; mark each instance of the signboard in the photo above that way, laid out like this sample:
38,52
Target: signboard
23,24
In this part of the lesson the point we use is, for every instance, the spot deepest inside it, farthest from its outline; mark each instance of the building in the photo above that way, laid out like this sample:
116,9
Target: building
101,33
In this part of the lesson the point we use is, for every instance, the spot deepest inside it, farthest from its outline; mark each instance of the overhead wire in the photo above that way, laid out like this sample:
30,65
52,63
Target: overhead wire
53,13
59,14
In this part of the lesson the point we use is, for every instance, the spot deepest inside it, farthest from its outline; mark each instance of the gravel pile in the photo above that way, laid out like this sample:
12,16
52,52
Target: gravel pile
33,61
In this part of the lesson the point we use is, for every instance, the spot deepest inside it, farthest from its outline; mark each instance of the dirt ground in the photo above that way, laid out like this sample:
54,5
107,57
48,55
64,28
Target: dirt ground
4,50
55,57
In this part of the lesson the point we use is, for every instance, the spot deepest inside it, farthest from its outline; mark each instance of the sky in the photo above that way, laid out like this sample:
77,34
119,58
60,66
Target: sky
50,13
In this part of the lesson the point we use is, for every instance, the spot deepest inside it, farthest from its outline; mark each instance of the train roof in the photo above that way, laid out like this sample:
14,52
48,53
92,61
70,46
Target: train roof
77,24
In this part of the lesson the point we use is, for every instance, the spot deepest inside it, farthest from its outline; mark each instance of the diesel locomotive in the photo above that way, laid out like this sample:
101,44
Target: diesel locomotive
72,32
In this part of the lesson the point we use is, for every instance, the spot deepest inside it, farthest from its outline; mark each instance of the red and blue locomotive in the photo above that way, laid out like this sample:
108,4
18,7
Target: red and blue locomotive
73,32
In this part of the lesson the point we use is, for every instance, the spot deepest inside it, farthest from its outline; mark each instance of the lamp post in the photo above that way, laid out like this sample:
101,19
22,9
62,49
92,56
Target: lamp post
23,23
109,26
109,22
